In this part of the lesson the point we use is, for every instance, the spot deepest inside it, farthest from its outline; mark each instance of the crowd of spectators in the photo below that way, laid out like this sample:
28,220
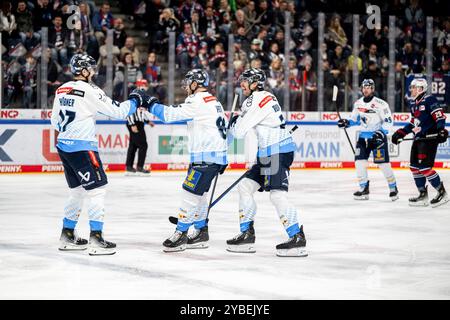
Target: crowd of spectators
202,28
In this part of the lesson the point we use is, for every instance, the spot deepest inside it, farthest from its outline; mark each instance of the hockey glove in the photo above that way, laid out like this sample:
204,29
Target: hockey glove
222,169
233,120
399,134
343,123
139,96
442,135
377,139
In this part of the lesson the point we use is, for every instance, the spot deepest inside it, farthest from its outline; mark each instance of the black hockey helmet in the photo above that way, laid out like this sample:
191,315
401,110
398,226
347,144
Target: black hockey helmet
200,76
82,61
253,75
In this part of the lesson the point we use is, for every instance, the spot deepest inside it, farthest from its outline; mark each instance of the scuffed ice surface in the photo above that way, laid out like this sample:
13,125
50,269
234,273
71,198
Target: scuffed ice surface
358,250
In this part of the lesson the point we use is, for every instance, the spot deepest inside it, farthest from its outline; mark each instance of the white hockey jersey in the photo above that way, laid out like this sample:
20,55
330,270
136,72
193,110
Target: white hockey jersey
206,125
262,113
74,109
372,116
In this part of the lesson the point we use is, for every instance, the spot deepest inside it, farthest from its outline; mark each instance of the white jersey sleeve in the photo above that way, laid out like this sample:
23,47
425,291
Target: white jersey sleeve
74,110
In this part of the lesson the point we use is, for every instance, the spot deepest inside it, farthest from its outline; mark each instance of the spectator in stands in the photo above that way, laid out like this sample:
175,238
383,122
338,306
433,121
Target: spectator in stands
274,52
374,73
217,56
276,79
266,18
88,30
256,52
57,41
210,26
187,7
43,15
335,33
153,11
167,23
250,15
127,73
443,38
418,34
239,22
441,56
399,86
338,61
130,47
242,39
76,40
152,73
24,19
219,81
103,21
445,67
187,48
310,85
28,77
295,88
196,26
7,23
120,34
370,55
414,13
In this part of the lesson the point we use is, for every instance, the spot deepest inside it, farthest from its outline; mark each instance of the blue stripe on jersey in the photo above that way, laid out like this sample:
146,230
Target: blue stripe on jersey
352,123
285,146
369,134
219,157
158,110
133,107
68,145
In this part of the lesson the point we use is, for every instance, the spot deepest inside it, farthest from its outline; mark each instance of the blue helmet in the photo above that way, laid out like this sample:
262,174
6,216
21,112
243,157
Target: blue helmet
82,61
200,76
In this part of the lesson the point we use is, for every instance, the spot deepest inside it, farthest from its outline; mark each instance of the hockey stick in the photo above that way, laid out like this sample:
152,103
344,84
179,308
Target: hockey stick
174,220
335,92
427,137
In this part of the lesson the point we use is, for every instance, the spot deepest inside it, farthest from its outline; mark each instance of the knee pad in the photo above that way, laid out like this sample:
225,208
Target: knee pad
279,198
248,187
77,193
96,193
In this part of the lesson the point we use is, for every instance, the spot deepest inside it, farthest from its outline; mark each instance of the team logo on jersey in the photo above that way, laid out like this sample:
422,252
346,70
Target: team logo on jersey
422,108
85,177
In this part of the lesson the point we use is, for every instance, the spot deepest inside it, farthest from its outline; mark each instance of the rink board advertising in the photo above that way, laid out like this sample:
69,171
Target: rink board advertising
27,143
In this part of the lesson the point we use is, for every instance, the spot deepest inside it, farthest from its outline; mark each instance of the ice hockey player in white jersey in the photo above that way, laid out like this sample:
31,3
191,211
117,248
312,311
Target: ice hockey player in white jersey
262,113
374,117
207,146
75,106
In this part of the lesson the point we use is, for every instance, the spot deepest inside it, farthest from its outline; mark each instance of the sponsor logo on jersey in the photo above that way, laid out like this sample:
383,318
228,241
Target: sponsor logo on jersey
192,179
209,99
63,90
75,92
265,101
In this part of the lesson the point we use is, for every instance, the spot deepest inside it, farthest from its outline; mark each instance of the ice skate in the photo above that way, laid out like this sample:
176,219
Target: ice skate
69,241
243,242
294,247
362,194
394,194
99,246
177,242
441,198
199,239
421,200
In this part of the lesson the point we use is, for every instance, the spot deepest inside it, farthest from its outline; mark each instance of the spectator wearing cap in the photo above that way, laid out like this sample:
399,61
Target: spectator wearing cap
187,48
152,75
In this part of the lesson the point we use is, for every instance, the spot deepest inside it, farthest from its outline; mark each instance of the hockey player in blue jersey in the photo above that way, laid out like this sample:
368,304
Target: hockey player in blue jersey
75,106
373,115
428,126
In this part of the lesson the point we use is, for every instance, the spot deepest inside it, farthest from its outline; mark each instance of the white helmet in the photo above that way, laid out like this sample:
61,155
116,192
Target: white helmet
419,83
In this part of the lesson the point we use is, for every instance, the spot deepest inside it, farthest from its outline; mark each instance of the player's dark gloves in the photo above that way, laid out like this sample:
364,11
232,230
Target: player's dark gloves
442,135
399,134
343,123
377,139
233,120
142,98
222,170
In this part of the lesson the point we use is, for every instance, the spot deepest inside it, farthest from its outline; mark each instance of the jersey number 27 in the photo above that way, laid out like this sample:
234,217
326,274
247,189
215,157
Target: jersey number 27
66,118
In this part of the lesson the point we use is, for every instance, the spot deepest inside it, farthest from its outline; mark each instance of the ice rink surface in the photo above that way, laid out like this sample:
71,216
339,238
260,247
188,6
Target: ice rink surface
357,250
